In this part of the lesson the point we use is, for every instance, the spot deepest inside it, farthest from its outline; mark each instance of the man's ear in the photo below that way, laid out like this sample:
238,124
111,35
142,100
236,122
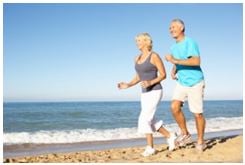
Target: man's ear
182,29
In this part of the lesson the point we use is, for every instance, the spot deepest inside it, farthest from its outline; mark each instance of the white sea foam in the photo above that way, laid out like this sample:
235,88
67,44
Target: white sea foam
71,136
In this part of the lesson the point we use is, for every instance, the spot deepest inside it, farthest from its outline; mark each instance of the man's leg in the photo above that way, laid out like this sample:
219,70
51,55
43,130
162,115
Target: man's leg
164,132
195,100
179,116
200,125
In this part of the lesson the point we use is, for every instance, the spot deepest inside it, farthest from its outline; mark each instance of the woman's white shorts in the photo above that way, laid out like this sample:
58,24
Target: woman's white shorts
149,103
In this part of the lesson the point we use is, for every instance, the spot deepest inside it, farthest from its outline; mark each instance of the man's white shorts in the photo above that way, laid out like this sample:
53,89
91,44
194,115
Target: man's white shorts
193,94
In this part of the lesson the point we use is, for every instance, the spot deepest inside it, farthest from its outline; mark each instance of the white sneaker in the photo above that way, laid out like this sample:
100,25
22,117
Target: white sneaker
171,141
183,140
148,151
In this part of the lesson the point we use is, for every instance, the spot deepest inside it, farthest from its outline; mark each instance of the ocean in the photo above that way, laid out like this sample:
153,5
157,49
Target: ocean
75,122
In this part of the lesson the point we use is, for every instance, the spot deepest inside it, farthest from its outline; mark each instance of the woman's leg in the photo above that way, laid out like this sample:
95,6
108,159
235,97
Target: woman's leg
149,139
146,123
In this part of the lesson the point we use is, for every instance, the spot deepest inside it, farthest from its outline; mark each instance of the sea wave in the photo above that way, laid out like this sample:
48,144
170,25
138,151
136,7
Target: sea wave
82,135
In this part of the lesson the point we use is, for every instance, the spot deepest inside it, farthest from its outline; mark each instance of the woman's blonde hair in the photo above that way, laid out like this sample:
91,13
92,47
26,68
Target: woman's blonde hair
147,38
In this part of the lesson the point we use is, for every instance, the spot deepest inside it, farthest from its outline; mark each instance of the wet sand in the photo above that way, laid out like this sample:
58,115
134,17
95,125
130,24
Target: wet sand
220,149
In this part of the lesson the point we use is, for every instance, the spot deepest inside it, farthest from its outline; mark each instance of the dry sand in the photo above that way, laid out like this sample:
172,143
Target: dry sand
225,149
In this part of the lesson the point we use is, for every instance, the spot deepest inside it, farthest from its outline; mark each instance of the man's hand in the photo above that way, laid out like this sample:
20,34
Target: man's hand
171,59
174,76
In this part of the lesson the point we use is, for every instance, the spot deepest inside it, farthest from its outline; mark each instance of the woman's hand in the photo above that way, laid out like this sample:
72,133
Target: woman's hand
122,85
145,84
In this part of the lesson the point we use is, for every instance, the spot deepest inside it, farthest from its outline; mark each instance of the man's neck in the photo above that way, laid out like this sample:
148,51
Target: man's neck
180,37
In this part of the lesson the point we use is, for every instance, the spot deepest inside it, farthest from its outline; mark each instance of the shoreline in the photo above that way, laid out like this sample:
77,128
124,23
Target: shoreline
24,150
219,150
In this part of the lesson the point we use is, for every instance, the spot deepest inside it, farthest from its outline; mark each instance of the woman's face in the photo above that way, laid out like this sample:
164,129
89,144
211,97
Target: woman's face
140,42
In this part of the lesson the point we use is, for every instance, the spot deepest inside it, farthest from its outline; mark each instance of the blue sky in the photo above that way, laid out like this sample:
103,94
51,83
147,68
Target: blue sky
79,52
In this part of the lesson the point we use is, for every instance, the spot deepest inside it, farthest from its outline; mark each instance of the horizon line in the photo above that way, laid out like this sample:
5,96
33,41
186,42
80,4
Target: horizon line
60,101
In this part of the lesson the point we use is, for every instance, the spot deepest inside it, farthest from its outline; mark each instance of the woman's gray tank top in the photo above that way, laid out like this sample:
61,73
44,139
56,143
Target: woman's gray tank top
147,71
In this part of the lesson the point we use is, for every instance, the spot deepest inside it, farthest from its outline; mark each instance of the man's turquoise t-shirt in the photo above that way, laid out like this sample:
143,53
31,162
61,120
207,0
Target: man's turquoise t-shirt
187,75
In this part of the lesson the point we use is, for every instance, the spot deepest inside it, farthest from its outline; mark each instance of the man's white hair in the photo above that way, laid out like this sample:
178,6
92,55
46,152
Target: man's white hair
180,22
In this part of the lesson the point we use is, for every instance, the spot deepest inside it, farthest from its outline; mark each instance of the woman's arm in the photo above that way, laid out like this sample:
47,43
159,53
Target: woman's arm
134,81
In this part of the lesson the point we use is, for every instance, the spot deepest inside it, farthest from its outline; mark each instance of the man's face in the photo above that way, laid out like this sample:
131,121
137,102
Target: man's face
175,29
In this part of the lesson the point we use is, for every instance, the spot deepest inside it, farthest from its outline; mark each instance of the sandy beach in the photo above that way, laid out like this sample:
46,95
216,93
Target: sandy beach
223,149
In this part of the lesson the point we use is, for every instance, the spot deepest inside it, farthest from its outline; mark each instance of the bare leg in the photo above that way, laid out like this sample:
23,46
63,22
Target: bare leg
200,125
149,139
164,132
179,116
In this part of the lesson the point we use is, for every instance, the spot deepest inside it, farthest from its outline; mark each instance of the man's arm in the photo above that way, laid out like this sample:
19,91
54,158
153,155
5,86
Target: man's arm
173,73
192,61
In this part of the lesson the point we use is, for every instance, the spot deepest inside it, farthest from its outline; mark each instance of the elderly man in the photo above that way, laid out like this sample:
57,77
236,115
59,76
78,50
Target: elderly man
185,58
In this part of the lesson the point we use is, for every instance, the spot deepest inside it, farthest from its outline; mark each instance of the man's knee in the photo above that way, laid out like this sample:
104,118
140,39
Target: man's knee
198,115
176,107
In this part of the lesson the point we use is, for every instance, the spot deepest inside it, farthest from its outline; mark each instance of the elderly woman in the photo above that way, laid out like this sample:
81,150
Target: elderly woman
150,72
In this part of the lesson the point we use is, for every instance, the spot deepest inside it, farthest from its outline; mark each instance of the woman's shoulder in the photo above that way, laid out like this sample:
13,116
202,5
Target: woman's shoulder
155,55
155,58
